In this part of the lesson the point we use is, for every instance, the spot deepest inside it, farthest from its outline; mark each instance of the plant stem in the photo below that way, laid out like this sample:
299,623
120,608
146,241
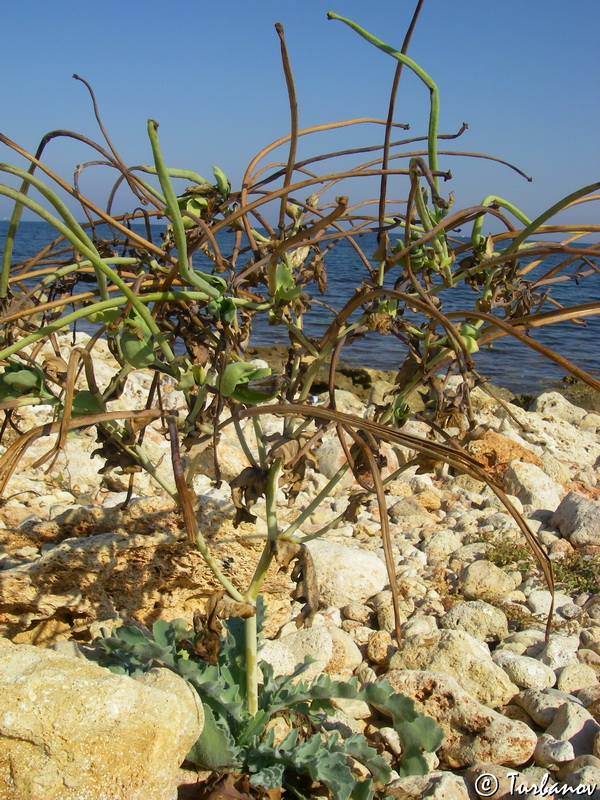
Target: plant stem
251,651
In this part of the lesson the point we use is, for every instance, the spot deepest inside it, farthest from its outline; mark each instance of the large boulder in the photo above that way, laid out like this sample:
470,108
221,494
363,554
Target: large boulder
71,730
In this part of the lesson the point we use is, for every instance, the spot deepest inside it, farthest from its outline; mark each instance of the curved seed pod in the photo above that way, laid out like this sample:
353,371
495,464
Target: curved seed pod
222,183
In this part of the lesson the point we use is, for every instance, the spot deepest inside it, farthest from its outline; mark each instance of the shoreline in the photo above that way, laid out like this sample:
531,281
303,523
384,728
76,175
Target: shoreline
361,381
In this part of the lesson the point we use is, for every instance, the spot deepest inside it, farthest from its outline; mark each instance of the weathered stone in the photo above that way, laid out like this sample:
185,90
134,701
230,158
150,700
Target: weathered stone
525,672
540,601
575,677
286,653
532,486
134,564
542,705
435,786
379,647
480,619
496,451
559,651
409,512
438,547
554,406
346,574
72,730
472,732
574,724
347,649
549,751
578,519
483,580
483,779
464,658
384,608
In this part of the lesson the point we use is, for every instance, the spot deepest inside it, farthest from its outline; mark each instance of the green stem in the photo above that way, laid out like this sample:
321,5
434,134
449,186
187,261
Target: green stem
114,302
260,445
492,199
98,264
244,444
316,501
251,650
69,219
539,221
186,174
193,278
427,80
272,533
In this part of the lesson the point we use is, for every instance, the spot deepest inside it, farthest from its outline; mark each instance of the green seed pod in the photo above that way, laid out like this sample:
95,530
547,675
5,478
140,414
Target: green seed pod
222,182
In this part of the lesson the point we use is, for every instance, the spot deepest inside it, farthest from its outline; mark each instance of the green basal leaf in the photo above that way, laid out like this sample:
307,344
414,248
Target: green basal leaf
215,749
358,748
417,732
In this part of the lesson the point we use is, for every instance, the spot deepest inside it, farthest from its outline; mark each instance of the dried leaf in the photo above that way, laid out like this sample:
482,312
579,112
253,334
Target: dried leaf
249,485
303,575
208,626
226,789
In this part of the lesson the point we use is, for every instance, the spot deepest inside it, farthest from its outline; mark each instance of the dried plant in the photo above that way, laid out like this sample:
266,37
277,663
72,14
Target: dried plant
160,312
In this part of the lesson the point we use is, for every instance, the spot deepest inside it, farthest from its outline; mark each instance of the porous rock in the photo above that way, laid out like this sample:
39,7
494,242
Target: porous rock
575,724
482,620
542,705
287,653
578,519
461,657
554,406
483,580
133,564
472,732
526,672
72,730
532,486
435,786
346,574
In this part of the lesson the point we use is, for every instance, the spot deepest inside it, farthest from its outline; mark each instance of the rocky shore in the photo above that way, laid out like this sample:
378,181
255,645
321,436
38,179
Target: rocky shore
512,704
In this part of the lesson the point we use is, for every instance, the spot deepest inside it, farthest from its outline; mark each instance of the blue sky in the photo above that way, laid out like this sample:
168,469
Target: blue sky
523,74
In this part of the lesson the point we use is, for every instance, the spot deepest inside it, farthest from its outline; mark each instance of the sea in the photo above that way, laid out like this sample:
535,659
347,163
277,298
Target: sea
507,363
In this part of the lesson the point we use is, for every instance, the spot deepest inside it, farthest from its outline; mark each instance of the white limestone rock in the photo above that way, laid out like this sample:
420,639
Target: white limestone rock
462,657
346,574
578,519
72,730
483,580
480,619
554,406
435,786
526,672
472,732
575,724
286,653
543,705
532,486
